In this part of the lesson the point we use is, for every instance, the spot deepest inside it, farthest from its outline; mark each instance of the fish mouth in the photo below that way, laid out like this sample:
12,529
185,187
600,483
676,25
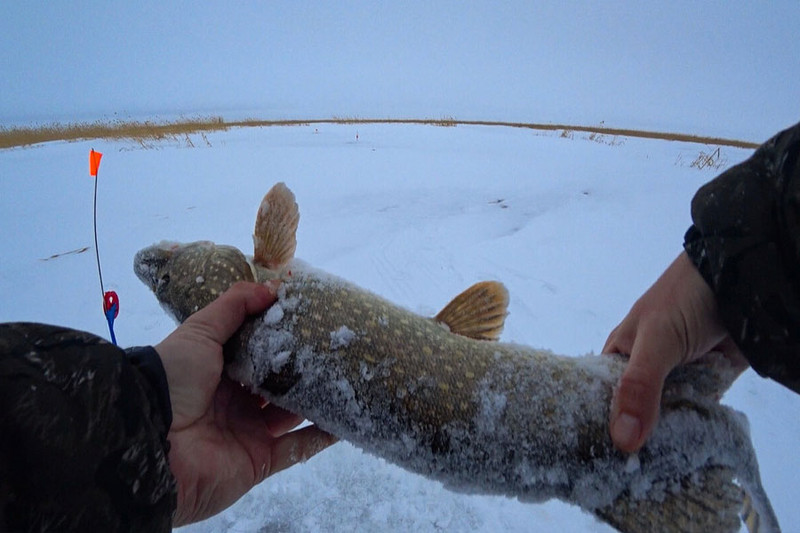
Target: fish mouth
149,262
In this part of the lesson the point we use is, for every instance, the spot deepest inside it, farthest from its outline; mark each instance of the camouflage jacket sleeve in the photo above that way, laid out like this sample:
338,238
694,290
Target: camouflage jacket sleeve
83,434
745,241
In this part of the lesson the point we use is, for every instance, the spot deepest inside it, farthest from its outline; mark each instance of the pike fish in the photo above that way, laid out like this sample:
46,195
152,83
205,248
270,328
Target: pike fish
443,398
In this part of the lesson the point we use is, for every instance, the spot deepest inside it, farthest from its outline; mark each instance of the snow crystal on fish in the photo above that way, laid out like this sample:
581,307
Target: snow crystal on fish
279,360
632,464
273,315
341,337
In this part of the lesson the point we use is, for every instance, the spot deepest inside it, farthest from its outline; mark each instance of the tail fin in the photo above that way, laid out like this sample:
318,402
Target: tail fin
757,512
705,381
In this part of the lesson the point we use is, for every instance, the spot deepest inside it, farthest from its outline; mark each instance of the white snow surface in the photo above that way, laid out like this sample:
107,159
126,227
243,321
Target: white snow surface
576,228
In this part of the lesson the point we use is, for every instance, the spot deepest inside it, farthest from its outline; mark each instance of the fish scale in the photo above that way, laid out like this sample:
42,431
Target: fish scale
478,415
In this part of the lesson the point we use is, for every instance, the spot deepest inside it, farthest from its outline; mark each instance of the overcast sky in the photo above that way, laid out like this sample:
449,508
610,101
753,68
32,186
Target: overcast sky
720,68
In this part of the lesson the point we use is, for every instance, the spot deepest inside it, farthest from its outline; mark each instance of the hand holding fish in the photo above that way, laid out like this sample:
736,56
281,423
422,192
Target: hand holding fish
223,442
675,322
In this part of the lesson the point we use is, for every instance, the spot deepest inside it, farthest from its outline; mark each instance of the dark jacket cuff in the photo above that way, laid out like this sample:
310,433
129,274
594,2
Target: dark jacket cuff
745,242
148,362
82,436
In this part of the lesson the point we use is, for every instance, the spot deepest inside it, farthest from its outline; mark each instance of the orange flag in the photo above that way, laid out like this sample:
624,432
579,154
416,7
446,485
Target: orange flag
94,162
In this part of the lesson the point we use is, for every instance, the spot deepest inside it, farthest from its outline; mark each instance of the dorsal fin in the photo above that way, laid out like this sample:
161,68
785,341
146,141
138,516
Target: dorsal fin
275,236
478,313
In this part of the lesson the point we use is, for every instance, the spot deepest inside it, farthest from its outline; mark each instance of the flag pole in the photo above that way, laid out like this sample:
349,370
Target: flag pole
110,299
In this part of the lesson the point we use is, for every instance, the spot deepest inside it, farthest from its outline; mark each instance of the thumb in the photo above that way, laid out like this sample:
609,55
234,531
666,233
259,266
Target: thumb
637,398
222,317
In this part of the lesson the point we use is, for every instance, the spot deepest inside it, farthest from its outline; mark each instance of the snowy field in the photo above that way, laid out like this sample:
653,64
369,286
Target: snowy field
576,227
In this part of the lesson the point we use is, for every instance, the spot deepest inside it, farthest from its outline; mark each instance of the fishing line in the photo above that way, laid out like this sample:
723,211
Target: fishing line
96,249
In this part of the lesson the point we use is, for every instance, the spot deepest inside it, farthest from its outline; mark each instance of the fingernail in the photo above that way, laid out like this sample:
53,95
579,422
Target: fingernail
626,431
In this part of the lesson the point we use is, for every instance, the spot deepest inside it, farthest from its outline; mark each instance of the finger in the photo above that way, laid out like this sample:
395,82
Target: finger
222,317
280,421
297,447
620,340
635,406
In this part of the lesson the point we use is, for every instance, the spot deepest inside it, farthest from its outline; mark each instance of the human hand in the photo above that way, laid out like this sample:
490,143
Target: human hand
223,440
675,322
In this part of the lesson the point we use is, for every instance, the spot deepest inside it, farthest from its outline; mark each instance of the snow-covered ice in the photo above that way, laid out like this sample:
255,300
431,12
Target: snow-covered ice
575,228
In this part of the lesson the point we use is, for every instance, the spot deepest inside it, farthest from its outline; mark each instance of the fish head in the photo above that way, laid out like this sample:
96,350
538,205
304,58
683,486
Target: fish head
187,277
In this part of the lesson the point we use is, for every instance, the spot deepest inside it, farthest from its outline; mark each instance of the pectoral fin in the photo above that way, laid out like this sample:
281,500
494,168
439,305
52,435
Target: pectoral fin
478,313
275,235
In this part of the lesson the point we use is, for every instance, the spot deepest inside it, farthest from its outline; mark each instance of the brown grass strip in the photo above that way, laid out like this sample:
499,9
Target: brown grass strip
160,131
119,130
